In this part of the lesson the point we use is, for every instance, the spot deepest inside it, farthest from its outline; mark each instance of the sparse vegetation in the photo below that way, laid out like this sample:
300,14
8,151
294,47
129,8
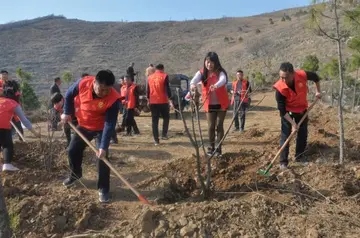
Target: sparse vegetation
301,13
257,31
240,39
311,63
271,21
28,99
67,77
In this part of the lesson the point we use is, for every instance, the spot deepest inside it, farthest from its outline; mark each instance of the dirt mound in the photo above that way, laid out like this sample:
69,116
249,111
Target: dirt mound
254,132
37,205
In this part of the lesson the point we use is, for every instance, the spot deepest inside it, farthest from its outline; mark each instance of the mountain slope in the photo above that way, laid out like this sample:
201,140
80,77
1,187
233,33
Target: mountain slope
50,45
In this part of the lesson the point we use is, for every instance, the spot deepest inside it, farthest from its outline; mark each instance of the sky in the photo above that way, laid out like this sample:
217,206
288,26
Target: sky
140,10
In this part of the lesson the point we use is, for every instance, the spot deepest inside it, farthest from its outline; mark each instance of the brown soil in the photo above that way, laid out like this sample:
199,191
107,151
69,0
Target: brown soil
317,200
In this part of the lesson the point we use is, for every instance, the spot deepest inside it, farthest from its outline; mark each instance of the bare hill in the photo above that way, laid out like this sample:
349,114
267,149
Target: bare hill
50,45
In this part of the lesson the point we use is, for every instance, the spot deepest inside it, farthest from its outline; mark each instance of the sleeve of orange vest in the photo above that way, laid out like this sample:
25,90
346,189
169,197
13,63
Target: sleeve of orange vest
167,86
110,123
281,102
71,93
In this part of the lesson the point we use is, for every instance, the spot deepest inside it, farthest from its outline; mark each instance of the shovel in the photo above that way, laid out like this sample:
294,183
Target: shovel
265,172
140,197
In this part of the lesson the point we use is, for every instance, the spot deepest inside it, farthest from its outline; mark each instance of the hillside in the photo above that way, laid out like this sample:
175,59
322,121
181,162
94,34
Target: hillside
50,45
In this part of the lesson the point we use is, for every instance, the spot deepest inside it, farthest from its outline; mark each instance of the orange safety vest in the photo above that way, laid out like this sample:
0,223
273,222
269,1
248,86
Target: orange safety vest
295,101
243,97
7,109
221,92
157,88
91,111
1,86
131,102
123,93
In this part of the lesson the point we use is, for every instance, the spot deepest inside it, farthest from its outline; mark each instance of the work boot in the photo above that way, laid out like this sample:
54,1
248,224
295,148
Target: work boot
70,181
164,137
157,143
104,197
210,151
236,129
9,167
218,152
283,166
241,130
302,160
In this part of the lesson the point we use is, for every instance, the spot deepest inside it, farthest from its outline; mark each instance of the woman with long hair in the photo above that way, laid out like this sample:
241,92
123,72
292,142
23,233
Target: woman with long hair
213,78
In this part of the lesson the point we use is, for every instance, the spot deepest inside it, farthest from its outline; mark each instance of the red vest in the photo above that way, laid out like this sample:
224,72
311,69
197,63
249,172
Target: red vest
157,87
221,92
243,97
7,109
131,100
1,86
91,111
123,93
295,101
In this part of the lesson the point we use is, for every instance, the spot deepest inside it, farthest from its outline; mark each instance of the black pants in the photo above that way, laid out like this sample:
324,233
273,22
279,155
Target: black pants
215,119
301,139
76,152
158,110
67,130
123,122
241,112
130,122
6,144
19,127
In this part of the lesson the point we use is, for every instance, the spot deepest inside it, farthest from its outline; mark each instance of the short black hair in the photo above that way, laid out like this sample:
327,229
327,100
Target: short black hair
239,71
151,65
56,79
56,97
122,76
84,75
105,77
160,67
4,72
10,93
287,67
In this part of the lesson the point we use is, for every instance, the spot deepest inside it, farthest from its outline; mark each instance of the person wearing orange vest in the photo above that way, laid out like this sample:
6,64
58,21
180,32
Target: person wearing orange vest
122,99
131,102
240,93
95,104
159,94
213,78
291,96
9,107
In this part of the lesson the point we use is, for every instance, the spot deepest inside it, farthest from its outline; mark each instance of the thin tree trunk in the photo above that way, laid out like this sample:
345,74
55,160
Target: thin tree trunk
341,90
332,93
354,97
5,231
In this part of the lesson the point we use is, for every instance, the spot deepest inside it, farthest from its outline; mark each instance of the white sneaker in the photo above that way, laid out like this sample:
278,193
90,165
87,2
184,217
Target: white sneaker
9,167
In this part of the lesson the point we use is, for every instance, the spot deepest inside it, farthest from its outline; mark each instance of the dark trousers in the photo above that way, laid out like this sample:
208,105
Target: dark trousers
215,119
18,126
67,131
124,115
301,139
6,144
240,113
76,152
130,122
158,110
